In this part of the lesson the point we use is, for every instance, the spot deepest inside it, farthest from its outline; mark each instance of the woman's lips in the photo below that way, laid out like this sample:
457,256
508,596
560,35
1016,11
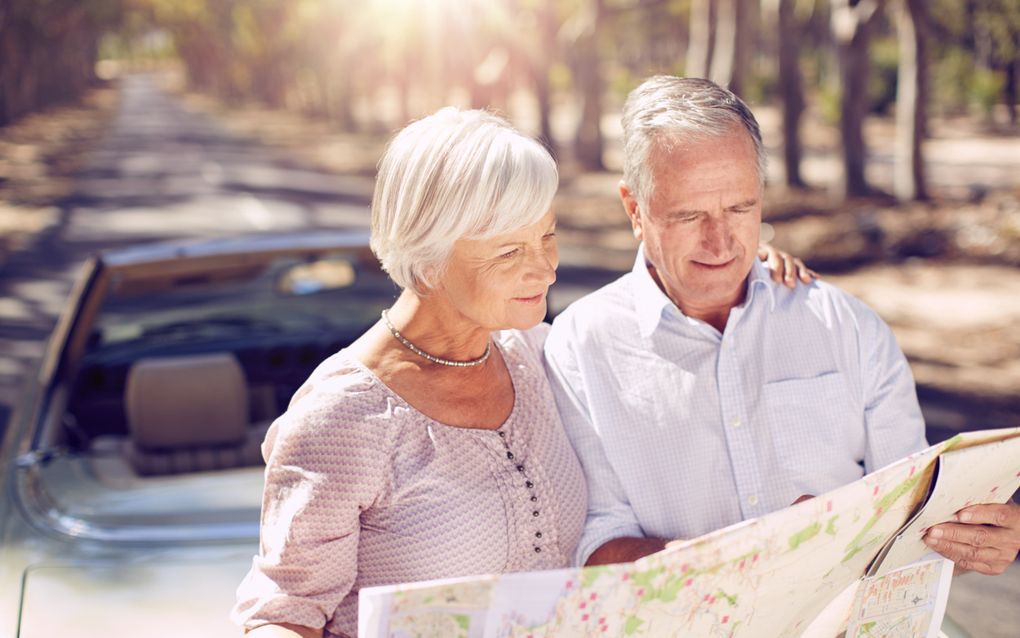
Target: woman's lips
531,300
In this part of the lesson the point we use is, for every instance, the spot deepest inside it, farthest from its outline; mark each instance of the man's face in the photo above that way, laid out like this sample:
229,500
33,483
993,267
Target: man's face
701,224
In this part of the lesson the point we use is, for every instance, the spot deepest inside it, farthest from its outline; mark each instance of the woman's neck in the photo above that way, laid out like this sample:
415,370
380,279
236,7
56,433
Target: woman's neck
433,325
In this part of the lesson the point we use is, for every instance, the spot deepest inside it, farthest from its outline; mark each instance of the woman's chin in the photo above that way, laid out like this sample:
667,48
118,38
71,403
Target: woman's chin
527,318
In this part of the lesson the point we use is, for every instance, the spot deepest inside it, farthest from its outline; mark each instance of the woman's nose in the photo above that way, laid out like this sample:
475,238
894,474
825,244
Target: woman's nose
543,264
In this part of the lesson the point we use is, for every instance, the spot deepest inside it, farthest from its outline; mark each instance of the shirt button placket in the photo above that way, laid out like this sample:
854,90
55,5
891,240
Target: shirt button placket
739,439
528,485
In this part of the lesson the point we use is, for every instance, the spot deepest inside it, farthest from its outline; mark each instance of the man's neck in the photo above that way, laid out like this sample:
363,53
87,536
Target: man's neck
715,315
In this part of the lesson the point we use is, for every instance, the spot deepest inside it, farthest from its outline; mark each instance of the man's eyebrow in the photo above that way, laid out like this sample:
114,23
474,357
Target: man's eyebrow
688,212
747,203
685,212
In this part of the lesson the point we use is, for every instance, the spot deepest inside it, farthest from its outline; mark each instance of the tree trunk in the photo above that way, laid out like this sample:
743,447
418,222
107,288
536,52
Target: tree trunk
911,101
851,30
792,91
588,78
1010,90
729,62
701,40
543,96
540,67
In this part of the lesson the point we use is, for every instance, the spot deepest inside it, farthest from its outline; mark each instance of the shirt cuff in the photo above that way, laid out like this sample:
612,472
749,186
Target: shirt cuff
596,535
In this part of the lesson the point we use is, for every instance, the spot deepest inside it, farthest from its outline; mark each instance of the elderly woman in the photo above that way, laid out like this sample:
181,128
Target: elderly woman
431,447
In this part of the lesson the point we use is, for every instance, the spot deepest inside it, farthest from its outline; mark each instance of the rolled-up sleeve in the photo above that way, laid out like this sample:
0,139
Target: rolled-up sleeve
323,468
609,513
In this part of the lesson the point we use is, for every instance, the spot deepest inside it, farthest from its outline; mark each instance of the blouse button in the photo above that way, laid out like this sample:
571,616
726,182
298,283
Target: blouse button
510,455
535,513
537,549
529,484
520,468
538,534
534,499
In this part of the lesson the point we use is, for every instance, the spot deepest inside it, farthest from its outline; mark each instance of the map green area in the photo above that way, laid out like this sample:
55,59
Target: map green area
784,574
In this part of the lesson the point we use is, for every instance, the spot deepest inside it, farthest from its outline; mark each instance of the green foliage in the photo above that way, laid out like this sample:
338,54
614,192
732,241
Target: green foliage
950,78
985,89
827,103
761,87
884,70
999,20
316,54
960,84
48,50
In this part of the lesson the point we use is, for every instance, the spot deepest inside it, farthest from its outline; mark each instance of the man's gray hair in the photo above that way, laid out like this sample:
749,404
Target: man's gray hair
667,110
454,175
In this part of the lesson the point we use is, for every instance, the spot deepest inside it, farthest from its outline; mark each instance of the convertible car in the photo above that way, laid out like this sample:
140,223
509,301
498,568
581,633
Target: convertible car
132,470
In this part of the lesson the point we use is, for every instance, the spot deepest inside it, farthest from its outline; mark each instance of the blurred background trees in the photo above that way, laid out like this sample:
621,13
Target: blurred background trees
557,67
49,50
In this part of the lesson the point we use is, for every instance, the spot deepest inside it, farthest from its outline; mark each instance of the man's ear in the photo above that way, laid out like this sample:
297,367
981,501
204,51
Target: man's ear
630,205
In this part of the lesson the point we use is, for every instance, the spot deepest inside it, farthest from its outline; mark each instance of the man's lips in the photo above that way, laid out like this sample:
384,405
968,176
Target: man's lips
714,266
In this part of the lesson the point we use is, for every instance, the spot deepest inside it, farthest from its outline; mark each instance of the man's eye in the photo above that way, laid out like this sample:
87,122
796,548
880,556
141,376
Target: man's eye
549,235
510,254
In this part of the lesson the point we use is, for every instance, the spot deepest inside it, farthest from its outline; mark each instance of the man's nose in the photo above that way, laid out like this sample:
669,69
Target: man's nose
716,236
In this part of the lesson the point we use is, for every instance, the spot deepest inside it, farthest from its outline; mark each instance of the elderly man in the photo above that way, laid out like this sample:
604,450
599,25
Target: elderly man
696,391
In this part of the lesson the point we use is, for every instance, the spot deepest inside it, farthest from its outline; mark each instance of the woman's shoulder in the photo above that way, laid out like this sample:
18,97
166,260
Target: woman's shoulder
530,341
340,404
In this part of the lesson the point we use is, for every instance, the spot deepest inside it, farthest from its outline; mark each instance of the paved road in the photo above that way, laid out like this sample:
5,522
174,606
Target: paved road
163,172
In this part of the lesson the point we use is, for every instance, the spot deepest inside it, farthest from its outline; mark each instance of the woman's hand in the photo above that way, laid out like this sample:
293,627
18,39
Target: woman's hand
786,268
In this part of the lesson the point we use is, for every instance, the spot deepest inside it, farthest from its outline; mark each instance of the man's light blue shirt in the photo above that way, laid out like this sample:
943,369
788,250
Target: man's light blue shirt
683,430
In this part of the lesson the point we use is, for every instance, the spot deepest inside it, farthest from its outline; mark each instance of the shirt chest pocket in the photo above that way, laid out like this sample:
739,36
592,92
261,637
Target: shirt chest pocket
814,424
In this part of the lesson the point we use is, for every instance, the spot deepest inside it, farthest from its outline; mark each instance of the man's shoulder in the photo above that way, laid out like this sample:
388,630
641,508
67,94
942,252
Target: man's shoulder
599,308
824,301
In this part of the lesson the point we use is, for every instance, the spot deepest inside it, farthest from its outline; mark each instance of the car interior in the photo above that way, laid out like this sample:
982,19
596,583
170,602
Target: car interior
179,378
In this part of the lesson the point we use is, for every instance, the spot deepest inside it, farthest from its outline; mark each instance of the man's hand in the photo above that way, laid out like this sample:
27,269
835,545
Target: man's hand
786,268
984,539
625,550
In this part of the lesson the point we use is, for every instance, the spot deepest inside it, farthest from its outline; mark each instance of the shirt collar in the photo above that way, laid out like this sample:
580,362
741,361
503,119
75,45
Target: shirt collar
650,302
760,279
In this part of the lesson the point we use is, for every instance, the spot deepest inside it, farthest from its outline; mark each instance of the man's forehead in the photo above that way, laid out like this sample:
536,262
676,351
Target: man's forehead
671,145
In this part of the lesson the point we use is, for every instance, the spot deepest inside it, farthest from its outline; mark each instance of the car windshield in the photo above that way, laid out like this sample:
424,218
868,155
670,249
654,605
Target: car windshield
263,303
183,372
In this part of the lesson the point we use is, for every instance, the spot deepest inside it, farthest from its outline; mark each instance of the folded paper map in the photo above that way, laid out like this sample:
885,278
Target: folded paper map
770,576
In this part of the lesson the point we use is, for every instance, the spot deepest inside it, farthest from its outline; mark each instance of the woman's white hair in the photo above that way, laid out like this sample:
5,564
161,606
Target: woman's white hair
666,111
454,175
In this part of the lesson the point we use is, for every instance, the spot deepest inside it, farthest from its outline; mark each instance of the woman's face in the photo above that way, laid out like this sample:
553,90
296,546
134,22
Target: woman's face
501,282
